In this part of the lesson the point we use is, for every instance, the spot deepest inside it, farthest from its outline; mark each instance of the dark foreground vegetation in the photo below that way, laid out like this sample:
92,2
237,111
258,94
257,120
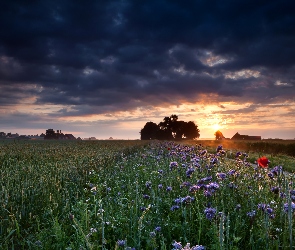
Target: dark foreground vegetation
143,195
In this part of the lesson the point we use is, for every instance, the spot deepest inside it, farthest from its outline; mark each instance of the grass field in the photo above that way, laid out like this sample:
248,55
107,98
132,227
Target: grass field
143,195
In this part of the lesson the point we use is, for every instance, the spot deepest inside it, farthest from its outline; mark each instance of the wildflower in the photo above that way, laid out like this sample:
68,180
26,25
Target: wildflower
148,184
198,247
145,196
270,175
219,148
189,172
173,165
177,201
208,178
203,152
263,162
174,207
238,154
214,161
251,214
160,186
121,243
158,229
168,189
142,209
185,184
187,200
286,207
277,170
231,172
210,213
152,234
160,171
194,188
262,206
221,176
238,207
208,193
176,245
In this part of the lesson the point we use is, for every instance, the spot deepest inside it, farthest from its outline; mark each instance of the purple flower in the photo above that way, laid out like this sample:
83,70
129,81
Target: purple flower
270,175
173,164
174,207
219,148
152,234
221,175
208,193
187,200
145,196
203,152
214,161
142,209
205,179
168,189
121,243
238,154
148,184
212,186
160,171
210,213
262,206
286,207
160,186
194,188
185,184
251,214
177,201
176,245
158,229
198,247
189,172
238,207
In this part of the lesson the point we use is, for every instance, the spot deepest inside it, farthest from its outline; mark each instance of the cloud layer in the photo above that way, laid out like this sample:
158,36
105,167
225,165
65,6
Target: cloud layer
100,57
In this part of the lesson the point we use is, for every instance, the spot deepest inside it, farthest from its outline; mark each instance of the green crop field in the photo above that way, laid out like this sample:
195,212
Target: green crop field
144,195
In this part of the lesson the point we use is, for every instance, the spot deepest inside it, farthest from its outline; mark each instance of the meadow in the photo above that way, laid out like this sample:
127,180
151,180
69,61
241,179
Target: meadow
143,195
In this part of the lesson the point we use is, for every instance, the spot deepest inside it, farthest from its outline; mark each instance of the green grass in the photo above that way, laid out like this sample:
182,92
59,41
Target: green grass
94,195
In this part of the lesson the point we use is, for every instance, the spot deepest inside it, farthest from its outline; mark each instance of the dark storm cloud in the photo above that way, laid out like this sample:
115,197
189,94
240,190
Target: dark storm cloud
103,56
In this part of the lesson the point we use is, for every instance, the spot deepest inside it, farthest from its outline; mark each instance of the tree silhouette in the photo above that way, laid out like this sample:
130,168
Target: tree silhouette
218,135
150,131
191,131
170,128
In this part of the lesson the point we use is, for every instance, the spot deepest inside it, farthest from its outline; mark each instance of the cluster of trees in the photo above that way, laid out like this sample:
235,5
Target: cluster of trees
219,135
170,128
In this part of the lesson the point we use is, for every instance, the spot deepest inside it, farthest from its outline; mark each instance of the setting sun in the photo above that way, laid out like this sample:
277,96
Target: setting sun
216,126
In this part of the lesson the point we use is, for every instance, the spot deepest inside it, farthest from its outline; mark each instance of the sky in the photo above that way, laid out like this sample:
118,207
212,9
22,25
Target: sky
105,68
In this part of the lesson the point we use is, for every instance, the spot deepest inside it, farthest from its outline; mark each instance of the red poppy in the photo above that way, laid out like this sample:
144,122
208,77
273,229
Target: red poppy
263,162
168,148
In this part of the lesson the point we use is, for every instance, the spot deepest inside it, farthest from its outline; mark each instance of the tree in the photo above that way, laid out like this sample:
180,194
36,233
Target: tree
191,131
150,131
170,128
218,135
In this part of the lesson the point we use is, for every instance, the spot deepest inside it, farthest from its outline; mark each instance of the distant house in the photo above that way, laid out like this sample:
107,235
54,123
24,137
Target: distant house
237,136
58,135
